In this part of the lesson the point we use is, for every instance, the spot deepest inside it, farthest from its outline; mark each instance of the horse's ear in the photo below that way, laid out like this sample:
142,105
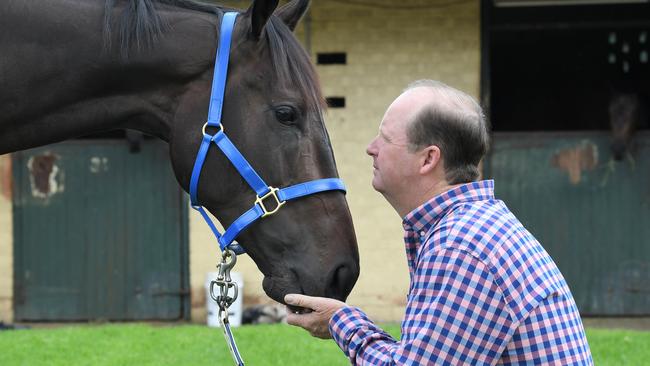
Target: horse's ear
292,12
260,12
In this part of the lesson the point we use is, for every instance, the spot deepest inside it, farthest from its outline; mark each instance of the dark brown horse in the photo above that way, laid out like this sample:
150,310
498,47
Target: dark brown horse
74,67
627,113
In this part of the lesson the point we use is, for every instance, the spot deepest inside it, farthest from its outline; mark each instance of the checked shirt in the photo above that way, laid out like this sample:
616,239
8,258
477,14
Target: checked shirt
483,292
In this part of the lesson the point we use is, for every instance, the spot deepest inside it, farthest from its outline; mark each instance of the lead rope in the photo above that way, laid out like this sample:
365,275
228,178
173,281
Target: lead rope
224,300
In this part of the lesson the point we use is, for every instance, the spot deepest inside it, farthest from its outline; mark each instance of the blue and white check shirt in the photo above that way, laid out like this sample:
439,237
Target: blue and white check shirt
483,292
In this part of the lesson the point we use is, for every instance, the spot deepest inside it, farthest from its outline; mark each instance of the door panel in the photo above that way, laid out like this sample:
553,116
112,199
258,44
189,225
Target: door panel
590,213
100,233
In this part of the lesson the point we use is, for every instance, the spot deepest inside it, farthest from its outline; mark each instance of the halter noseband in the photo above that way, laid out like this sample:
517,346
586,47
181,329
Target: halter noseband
262,190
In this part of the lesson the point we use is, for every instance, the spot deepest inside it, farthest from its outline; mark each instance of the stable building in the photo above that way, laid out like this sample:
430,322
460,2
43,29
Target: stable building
91,230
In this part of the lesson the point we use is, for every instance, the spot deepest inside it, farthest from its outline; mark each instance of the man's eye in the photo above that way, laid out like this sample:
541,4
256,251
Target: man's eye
285,114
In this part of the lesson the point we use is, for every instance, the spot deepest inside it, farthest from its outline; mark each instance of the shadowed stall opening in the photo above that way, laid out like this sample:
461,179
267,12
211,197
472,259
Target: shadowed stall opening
567,90
565,68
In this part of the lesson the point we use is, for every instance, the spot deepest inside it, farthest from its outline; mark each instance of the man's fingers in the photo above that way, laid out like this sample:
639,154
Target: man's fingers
292,318
296,319
315,322
298,300
302,320
311,323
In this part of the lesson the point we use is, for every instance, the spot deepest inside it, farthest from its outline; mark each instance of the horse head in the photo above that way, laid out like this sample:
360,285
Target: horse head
272,112
626,113
150,69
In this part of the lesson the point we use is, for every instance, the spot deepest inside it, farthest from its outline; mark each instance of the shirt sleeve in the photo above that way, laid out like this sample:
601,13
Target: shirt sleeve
455,314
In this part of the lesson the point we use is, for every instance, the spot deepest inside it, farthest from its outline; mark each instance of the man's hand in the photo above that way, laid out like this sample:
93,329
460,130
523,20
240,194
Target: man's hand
316,322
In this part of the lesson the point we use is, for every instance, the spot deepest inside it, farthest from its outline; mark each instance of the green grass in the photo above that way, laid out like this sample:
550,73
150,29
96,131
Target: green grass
619,347
139,344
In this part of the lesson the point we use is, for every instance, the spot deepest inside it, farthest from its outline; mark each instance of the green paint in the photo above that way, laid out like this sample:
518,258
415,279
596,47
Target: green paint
100,233
590,213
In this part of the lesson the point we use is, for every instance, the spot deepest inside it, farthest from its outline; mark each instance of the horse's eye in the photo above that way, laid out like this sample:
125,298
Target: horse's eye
285,114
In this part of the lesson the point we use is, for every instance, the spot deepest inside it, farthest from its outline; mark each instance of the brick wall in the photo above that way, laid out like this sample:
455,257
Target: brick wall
386,50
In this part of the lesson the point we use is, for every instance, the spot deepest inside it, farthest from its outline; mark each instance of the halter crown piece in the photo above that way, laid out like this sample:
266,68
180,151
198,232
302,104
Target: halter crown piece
263,191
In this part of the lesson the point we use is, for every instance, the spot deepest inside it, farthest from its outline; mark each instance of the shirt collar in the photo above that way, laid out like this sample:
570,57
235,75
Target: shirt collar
421,219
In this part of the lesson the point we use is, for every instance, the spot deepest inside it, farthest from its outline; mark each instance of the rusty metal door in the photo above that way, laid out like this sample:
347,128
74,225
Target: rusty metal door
590,213
100,233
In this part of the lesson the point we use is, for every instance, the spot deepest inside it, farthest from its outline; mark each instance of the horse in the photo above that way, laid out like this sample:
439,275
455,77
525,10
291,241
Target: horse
75,67
627,113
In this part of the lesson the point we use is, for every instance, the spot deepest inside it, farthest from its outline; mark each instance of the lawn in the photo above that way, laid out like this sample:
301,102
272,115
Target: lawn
140,344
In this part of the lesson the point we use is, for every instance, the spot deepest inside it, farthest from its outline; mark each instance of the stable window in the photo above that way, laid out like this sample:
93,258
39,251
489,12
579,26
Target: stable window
332,58
335,102
556,68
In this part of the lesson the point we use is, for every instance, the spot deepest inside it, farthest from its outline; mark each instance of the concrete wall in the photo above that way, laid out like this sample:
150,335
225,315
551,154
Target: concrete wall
386,49
6,241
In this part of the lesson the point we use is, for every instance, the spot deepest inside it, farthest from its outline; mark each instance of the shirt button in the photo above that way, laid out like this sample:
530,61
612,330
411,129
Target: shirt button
422,233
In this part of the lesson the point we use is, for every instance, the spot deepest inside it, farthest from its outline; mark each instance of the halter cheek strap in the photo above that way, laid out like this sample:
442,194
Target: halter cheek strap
263,191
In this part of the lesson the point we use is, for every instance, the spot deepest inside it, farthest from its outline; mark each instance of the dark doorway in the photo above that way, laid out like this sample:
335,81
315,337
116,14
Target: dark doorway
553,68
548,73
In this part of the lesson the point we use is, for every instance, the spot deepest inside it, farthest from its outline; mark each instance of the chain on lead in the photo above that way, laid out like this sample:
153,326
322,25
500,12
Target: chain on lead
225,283
224,299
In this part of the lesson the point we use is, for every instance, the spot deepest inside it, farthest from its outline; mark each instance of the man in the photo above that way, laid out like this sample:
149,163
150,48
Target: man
483,290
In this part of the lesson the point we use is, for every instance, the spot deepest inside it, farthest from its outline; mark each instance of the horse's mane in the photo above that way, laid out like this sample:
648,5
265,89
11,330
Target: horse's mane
140,26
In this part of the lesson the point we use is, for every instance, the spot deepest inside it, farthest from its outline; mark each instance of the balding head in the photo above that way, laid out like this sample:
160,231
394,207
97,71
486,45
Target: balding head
453,121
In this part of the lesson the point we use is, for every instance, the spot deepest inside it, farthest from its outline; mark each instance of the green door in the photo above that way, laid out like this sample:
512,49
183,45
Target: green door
100,233
590,213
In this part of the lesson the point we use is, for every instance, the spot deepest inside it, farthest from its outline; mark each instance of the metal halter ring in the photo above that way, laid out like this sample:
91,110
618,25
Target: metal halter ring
260,201
205,126
224,299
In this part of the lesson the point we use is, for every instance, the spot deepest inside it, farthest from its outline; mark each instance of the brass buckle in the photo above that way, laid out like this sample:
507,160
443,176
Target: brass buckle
206,126
260,201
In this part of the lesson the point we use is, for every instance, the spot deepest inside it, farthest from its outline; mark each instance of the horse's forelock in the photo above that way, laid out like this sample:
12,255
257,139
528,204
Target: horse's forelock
292,64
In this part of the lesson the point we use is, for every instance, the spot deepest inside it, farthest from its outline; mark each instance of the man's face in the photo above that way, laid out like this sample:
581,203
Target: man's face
394,167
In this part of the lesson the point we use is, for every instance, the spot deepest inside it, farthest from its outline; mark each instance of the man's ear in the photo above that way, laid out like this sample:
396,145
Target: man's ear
292,12
430,159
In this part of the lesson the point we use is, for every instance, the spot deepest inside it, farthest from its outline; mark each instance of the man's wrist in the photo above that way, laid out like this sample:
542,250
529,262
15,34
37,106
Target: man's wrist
344,322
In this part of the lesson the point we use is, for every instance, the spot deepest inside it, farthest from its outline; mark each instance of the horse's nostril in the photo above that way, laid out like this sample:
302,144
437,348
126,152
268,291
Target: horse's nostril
341,282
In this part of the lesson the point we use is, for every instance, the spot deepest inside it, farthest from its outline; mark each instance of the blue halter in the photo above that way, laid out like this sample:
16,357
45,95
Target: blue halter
262,190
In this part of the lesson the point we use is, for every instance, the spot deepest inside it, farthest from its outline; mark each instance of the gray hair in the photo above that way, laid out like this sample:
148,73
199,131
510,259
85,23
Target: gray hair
453,121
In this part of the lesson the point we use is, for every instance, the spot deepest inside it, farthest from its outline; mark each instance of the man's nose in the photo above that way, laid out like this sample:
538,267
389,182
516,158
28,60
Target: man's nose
371,150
